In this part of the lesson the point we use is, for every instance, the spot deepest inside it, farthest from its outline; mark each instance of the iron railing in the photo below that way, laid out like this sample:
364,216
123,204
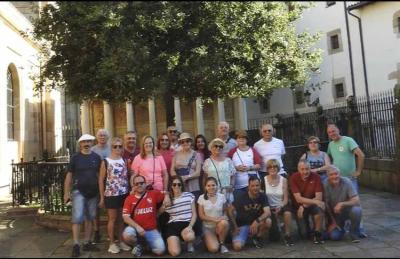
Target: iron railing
41,183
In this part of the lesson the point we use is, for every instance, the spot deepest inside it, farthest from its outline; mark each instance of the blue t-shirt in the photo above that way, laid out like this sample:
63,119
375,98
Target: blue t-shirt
85,170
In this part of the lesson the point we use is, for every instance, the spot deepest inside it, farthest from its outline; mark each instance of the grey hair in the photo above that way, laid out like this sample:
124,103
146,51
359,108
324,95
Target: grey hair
304,161
103,131
332,168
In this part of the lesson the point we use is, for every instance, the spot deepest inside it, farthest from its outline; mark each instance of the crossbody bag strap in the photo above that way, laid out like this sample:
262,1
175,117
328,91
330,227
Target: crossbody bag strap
216,170
191,160
137,203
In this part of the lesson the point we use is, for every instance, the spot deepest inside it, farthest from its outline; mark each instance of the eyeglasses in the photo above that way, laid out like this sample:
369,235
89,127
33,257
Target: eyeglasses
117,146
176,184
139,183
313,142
219,146
268,130
172,131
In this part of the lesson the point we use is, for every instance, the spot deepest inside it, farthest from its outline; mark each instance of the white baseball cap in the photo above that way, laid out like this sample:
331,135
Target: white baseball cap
86,137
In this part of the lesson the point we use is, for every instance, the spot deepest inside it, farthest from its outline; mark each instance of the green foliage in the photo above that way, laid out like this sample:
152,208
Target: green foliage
118,51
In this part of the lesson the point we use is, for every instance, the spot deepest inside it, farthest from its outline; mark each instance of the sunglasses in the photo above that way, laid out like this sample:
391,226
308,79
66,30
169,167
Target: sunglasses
185,141
176,184
219,146
117,146
268,130
139,183
172,131
164,140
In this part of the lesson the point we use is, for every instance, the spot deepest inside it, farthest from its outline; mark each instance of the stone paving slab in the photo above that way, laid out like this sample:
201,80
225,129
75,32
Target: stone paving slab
20,237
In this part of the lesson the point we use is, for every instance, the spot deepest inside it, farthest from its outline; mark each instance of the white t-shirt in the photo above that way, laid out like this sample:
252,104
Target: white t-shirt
214,210
273,149
243,158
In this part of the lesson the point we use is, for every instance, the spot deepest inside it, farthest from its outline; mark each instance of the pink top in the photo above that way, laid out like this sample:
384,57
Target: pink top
147,166
167,155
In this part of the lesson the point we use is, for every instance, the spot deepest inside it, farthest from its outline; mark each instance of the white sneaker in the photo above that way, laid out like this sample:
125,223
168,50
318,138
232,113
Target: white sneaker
223,249
124,246
114,249
190,248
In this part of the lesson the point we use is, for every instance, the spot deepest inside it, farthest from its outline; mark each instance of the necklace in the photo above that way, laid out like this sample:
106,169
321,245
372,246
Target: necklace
273,184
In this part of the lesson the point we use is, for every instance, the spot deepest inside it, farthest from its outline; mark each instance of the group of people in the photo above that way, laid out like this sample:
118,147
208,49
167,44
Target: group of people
178,190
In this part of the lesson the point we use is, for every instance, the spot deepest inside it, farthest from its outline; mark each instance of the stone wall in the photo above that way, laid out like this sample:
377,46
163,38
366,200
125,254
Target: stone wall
381,175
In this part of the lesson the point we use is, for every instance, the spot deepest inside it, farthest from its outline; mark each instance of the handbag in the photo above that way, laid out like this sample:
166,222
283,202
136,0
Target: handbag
186,170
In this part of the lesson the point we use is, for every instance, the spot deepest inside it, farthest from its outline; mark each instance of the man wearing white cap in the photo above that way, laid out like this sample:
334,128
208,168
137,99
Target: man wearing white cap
82,174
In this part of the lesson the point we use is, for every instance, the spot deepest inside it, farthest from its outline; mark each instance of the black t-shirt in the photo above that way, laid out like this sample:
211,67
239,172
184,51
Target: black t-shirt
248,209
85,170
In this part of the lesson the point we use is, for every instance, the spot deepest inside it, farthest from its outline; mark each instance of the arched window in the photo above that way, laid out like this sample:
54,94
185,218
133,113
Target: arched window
10,106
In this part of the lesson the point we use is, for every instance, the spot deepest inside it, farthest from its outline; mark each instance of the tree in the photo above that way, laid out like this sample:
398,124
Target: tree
118,51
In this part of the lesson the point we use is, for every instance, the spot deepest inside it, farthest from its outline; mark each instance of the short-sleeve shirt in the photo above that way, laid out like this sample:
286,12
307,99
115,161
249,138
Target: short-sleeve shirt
146,212
307,188
222,171
248,158
273,149
151,168
129,157
214,210
343,156
117,182
229,144
191,185
102,152
181,208
85,169
343,192
167,155
247,209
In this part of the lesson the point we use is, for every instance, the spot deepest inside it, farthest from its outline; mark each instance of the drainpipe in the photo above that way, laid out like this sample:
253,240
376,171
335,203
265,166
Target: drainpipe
350,51
365,78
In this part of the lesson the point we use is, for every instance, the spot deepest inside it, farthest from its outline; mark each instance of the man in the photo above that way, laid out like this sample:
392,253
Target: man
307,192
250,214
83,176
223,133
172,133
130,148
140,214
103,150
343,151
342,204
269,147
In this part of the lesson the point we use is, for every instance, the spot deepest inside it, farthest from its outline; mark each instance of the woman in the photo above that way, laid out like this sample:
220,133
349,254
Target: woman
182,213
165,150
187,164
114,188
276,189
200,146
319,160
213,213
246,160
151,166
221,168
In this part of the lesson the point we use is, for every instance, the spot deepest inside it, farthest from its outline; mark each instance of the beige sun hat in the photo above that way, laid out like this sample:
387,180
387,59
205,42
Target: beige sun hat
184,135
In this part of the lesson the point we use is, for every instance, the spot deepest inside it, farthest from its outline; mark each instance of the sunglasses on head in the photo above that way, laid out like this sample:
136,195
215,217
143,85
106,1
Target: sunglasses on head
219,146
139,183
117,146
176,184
268,130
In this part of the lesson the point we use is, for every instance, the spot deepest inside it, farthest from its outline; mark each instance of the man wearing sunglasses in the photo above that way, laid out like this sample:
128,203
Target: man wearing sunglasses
173,137
269,147
140,214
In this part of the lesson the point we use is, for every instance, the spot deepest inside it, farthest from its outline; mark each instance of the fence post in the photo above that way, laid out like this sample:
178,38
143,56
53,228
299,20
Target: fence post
396,113
321,123
354,121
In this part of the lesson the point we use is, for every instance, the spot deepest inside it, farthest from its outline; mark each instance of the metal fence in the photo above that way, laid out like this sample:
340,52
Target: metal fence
41,183
369,122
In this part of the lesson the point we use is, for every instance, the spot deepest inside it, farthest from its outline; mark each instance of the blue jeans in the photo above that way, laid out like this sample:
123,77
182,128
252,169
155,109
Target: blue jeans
152,237
349,213
83,208
242,236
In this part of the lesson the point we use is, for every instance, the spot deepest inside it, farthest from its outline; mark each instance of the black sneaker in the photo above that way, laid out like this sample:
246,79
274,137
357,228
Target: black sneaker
354,238
137,251
257,243
318,238
288,240
97,237
76,251
90,247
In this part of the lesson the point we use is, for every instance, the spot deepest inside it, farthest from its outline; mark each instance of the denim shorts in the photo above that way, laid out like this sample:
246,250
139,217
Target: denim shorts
243,235
83,208
153,238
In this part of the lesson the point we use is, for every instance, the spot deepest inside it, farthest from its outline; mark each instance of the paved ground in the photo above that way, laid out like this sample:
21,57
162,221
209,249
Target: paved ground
22,238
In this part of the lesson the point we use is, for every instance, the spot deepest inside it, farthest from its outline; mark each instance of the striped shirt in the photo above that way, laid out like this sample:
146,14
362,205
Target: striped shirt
181,209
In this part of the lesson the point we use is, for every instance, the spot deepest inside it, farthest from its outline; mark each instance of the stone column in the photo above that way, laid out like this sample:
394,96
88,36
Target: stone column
242,111
152,119
85,122
199,117
221,110
108,118
178,117
130,117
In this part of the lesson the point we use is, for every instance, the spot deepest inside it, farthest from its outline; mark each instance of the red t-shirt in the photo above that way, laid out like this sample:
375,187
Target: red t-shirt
307,188
146,212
